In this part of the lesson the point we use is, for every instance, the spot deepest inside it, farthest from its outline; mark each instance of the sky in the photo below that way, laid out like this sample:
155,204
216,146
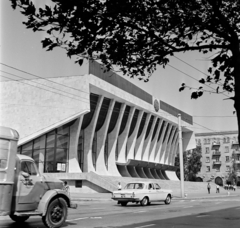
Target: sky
21,48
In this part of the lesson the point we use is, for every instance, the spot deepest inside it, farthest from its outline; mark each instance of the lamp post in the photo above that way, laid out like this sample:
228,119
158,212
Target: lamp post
181,155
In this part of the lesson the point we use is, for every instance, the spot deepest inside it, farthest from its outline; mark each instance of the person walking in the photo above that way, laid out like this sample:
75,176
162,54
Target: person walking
119,186
208,188
217,188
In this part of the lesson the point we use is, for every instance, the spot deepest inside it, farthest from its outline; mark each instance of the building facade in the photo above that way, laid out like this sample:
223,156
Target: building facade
98,123
220,150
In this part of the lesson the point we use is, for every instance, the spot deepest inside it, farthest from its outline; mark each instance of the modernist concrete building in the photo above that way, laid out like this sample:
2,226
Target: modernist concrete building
219,151
85,128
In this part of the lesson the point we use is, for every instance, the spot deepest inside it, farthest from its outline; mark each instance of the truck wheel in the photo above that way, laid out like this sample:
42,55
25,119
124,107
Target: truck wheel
19,218
144,201
56,213
124,203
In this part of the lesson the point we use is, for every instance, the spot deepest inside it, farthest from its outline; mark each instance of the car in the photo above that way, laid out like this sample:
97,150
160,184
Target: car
143,193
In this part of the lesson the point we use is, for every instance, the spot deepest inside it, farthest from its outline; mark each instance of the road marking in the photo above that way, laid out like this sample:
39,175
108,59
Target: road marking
138,212
145,226
199,216
69,220
188,207
95,217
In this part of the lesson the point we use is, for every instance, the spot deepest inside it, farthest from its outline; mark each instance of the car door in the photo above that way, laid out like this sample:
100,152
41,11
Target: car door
151,192
30,187
160,195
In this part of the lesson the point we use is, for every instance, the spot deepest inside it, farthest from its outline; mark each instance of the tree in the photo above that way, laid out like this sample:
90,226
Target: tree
234,169
191,162
139,35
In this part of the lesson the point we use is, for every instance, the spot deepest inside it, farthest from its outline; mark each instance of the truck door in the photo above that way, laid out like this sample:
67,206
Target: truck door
30,187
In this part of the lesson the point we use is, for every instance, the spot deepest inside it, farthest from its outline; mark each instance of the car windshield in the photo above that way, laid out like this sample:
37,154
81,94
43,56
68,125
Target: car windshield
134,186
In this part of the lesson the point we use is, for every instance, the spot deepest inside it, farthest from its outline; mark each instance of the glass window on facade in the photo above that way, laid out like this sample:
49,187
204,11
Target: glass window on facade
227,159
228,139
106,152
208,141
81,150
207,159
94,150
207,150
226,149
208,168
54,147
228,168
217,168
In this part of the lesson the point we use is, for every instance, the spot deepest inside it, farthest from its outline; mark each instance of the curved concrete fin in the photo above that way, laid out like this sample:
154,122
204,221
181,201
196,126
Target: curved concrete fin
146,170
154,174
140,172
172,175
164,174
132,171
122,169
159,172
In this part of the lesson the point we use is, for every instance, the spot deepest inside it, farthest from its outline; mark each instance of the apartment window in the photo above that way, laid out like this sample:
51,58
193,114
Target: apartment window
208,168
208,141
217,159
227,168
224,140
227,159
207,150
228,139
207,159
217,168
226,149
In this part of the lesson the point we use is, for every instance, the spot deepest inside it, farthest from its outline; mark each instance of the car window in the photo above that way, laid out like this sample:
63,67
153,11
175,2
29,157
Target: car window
29,167
157,187
134,186
150,186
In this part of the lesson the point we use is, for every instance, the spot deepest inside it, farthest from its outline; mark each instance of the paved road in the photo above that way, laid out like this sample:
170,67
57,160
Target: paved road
217,212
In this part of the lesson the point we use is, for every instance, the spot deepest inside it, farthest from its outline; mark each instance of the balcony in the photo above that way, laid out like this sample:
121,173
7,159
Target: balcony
217,162
216,153
215,144
235,142
235,152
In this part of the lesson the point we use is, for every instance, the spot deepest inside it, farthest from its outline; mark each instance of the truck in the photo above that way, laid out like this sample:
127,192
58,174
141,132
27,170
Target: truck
24,192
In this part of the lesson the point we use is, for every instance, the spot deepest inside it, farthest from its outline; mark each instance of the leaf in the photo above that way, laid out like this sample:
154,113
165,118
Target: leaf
80,62
202,80
194,95
46,42
181,88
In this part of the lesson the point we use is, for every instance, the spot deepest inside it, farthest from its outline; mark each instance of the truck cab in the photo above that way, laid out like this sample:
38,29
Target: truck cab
24,192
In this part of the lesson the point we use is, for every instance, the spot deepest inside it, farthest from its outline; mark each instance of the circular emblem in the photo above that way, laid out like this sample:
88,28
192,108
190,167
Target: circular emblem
156,105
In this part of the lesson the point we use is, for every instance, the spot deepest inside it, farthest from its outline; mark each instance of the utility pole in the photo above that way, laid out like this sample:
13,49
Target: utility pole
181,155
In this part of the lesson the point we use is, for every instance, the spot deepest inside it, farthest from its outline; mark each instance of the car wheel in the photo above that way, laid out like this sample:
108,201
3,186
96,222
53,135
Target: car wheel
168,199
124,203
144,201
56,213
19,218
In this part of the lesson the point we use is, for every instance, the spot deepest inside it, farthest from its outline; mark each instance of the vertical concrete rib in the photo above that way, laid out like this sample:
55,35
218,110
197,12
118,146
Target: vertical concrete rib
156,150
132,139
175,150
172,146
152,153
167,152
122,139
147,142
140,172
140,139
112,143
101,137
75,129
159,144
88,139
163,149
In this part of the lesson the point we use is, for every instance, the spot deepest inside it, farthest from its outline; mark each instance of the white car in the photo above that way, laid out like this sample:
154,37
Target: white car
144,192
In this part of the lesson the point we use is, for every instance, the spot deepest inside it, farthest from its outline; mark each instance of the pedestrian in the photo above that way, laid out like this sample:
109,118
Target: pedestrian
119,186
208,188
66,187
217,188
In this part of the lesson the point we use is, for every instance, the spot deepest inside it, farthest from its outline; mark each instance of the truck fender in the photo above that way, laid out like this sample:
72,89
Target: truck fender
49,196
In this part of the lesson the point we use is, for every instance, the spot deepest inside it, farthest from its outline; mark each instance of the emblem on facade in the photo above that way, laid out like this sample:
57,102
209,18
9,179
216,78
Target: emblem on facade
156,105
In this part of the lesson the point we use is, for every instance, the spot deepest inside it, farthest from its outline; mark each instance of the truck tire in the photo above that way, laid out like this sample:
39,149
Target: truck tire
56,213
18,218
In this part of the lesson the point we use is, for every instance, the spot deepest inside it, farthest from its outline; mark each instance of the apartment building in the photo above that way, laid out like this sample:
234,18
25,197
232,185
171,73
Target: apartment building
220,150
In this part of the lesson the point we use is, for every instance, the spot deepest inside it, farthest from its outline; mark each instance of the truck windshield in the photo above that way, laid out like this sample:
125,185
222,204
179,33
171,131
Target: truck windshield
28,167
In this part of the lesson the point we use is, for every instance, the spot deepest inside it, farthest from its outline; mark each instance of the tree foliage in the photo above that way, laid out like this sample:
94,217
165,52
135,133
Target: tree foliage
191,162
141,34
